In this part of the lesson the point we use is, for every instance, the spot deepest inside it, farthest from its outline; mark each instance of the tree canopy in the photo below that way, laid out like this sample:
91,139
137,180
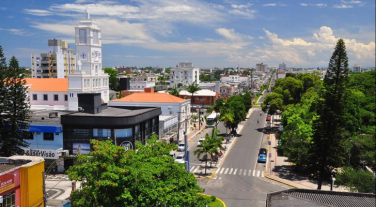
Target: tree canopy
113,176
113,79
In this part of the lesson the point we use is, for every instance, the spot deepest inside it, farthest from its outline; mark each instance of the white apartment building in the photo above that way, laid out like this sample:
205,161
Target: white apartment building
185,74
356,69
89,76
234,78
59,62
262,67
140,85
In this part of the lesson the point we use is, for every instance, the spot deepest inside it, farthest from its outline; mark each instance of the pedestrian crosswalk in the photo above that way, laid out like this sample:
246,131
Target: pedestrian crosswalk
234,171
192,169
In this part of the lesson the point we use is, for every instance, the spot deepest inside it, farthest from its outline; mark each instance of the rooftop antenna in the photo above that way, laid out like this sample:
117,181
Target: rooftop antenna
87,13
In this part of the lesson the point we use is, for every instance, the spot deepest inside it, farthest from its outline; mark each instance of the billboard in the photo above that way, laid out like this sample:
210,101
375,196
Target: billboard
81,148
9,180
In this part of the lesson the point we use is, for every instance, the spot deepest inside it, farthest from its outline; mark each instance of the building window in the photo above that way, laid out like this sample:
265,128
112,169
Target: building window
95,37
101,132
35,97
48,136
82,36
45,97
9,200
121,133
56,97
65,97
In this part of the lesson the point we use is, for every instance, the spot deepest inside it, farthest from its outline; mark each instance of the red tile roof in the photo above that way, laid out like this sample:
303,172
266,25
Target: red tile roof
48,84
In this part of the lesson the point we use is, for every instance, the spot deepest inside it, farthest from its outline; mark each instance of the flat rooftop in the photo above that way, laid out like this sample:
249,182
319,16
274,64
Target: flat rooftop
47,117
117,111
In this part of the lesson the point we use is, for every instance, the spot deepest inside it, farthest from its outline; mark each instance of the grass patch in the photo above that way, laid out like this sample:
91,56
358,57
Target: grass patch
216,203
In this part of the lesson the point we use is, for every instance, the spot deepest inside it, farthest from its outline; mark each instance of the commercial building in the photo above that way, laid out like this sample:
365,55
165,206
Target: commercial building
185,74
59,62
21,181
356,69
201,97
124,125
282,66
169,104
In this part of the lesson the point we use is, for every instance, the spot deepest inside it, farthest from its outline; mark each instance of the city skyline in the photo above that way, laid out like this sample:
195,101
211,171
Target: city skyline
207,33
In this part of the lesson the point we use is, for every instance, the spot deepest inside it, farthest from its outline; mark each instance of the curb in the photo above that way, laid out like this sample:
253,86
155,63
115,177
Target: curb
275,179
223,203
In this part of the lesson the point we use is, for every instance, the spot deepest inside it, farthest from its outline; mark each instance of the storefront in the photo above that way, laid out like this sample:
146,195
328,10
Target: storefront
10,188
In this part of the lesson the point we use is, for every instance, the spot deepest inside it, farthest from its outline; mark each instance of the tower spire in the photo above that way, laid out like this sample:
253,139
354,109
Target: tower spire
87,13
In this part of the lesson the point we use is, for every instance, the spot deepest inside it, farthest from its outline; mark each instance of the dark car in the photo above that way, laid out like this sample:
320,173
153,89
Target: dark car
263,151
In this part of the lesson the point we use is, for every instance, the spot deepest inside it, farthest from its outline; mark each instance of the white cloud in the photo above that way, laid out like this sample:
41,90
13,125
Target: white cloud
303,4
261,37
318,5
244,6
231,35
15,31
312,52
248,14
272,4
38,12
342,6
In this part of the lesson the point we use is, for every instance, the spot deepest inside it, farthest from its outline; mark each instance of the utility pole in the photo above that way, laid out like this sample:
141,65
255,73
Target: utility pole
199,118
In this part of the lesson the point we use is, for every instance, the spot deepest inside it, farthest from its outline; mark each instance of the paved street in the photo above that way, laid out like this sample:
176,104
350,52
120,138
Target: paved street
240,180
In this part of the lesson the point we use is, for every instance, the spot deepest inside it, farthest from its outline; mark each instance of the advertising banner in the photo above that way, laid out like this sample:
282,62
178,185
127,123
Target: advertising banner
48,129
9,180
45,153
81,148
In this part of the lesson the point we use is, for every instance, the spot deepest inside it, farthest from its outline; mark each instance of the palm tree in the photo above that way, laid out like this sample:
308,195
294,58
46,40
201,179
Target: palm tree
204,149
192,88
227,118
174,91
162,80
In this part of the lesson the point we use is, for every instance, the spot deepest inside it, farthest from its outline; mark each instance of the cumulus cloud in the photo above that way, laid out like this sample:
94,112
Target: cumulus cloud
231,35
311,52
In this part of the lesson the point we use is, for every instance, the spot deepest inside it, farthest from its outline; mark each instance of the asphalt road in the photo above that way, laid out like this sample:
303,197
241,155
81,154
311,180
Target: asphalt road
239,181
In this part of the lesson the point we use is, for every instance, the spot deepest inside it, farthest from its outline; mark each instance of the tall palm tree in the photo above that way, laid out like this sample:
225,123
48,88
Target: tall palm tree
227,118
174,91
204,149
192,88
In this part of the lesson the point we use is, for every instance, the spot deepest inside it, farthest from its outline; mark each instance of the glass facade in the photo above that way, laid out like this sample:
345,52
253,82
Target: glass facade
9,200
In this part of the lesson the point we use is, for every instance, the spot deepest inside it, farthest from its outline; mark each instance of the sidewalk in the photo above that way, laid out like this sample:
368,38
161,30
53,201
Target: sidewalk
210,171
279,168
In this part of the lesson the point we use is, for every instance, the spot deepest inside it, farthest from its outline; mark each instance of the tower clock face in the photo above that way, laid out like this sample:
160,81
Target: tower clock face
83,55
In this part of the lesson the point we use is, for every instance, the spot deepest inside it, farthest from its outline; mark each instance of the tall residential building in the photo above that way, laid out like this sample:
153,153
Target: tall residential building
59,62
356,68
282,66
89,76
185,74
262,67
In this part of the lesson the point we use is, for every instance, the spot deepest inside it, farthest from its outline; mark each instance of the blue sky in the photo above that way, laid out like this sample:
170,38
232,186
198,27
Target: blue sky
301,33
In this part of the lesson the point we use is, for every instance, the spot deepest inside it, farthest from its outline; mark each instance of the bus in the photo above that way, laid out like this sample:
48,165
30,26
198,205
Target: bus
211,120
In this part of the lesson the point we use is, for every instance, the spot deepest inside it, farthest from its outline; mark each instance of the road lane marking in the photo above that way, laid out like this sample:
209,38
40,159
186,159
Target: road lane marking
258,173
226,170
249,173
240,171
217,170
221,170
254,173
235,171
230,171
263,174
245,172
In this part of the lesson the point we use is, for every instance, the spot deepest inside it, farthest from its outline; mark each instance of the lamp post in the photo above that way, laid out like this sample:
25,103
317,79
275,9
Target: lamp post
199,118
114,138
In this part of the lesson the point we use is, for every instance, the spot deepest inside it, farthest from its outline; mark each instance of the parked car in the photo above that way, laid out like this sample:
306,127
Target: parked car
262,155
263,151
173,155
180,158
181,147
199,142
261,158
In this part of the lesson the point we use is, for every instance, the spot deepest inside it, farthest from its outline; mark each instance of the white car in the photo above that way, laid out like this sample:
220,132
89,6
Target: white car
199,142
180,158
173,155
181,147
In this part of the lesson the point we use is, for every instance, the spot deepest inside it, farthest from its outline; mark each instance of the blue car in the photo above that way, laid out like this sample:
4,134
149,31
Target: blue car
261,158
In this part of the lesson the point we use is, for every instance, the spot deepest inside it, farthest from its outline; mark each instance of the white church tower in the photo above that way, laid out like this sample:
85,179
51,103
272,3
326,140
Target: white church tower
88,76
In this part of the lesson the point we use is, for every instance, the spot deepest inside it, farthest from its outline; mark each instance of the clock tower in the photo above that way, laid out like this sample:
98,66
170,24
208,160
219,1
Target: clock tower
88,76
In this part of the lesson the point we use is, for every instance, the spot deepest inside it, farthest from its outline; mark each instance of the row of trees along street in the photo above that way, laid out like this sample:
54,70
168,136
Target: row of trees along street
14,107
329,125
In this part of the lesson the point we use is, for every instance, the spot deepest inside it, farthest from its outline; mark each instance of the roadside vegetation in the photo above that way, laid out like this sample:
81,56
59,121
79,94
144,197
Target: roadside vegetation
329,124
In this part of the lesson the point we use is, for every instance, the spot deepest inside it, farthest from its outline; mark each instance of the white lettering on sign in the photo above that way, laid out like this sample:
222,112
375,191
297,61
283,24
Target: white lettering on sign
45,153
5,183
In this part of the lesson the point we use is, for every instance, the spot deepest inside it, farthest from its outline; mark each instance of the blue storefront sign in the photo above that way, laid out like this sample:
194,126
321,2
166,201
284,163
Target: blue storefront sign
47,129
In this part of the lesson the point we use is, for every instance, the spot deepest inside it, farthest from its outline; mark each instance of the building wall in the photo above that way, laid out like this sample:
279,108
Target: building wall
140,85
50,101
32,184
185,74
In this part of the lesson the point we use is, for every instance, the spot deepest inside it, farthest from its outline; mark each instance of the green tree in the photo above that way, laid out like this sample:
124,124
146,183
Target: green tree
162,80
247,98
218,104
113,80
192,88
360,181
236,106
147,176
14,107
327,151
174,91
